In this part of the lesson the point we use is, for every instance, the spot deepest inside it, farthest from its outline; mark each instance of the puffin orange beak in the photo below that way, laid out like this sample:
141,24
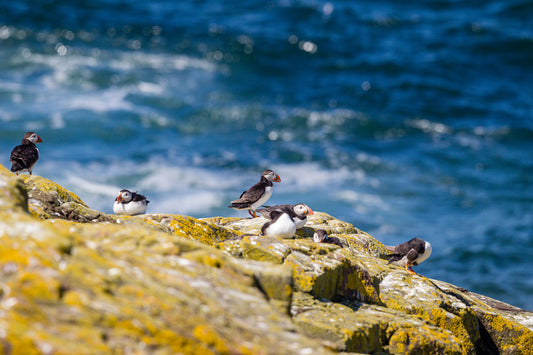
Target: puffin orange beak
277,178
39,140
309,211
119,198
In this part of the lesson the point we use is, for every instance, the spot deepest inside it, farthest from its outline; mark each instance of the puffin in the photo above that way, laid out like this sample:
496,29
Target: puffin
23,157
409,254
321,236
130,203
298,212
281,226
256,195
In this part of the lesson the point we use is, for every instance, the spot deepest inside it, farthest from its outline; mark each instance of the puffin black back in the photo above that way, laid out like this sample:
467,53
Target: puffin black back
24,156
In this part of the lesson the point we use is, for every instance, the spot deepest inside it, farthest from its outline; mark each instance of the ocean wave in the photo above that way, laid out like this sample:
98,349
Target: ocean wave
202,191
182,190
313,176
428,126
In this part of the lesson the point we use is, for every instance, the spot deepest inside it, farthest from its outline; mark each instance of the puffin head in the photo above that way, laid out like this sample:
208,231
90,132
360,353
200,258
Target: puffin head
320,235
302,210
270,175
32,137
124,196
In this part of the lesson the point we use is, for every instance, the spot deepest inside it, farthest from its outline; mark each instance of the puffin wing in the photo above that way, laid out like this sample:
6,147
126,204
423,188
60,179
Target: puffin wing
251,195
268,210
138,197
390,248
269,223
23,156
412,255
416,243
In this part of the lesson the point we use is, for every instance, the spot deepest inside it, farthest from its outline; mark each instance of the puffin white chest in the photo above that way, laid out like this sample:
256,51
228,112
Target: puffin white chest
282,227
131,208
38,156
427,252
299,222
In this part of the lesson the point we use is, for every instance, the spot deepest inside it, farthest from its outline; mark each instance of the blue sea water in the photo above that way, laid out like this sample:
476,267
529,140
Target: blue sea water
405,119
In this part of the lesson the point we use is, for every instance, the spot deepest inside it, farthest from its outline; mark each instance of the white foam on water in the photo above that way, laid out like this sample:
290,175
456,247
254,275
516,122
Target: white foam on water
168,178
429,127
194,202
311,176
6,116
150,88
170,189
362,202
186,189
93,187
201,191
68,81
102,101
121,61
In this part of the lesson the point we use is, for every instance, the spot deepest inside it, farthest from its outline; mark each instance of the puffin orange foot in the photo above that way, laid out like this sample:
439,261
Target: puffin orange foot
252,213
410,270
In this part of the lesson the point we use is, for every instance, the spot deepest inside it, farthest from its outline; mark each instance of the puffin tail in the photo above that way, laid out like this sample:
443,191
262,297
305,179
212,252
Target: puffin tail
16,166
239,205
389,247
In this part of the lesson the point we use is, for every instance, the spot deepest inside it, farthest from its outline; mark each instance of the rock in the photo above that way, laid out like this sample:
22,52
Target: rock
74,278
121,289
182,226
356,273
359,327
13,195
48,200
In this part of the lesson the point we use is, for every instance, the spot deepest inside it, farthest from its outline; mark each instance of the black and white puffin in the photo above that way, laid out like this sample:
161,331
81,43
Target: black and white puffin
321,236
23,157
130,203
258,194
281,226
298,212
410,253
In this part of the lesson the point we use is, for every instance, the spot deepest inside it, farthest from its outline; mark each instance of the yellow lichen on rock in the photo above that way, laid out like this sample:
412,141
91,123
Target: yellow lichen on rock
182,226
509,337
13,195
354,326
75,280
132,295
43,187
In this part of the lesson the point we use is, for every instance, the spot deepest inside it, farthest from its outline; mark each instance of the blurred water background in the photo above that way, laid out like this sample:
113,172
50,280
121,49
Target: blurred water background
405,119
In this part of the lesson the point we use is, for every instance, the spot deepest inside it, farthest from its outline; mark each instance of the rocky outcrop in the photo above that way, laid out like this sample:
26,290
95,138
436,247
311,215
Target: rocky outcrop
76,280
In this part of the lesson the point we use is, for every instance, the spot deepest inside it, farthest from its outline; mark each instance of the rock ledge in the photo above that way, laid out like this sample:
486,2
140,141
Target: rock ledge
76,280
